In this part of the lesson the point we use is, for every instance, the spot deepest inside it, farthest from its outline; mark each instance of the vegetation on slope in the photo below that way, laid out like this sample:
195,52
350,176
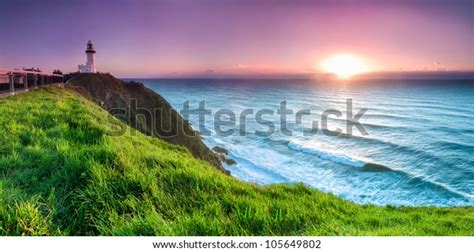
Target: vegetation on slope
62,174
144,110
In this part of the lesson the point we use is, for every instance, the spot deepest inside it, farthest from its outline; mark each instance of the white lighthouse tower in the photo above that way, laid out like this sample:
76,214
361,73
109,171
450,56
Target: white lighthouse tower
89,67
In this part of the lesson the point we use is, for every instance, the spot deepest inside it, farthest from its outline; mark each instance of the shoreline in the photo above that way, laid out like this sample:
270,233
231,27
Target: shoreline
423,184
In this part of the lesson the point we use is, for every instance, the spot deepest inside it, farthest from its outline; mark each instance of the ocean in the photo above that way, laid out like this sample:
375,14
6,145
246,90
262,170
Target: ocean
415,148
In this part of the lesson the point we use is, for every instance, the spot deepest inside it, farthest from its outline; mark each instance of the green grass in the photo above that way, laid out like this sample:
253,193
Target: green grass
62,174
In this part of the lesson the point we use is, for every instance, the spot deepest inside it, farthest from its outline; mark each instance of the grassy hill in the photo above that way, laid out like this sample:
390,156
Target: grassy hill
61,173
130,102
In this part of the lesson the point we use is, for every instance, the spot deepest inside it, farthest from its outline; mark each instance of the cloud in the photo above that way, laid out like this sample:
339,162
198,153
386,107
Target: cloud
438,67
240,66
434,67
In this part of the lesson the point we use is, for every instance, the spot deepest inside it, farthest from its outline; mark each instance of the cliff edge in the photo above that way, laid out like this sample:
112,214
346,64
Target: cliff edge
144,110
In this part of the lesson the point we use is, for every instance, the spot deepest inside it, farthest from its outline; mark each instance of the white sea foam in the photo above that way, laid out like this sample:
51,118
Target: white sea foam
325,154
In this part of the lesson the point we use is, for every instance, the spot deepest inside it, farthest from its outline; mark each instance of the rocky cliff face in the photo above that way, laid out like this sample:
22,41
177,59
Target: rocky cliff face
144,110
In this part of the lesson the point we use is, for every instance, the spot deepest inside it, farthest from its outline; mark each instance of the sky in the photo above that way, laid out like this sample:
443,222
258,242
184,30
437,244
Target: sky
179,38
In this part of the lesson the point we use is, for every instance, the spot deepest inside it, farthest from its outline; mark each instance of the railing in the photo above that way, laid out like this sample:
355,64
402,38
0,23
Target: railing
15,81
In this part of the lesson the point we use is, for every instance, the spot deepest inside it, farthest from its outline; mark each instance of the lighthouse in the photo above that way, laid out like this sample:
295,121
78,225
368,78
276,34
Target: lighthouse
89,67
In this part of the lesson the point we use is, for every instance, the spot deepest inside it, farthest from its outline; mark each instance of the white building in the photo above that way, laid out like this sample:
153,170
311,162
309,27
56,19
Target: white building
89,67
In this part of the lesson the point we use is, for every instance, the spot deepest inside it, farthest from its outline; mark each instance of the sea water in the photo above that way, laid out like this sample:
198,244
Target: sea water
417,148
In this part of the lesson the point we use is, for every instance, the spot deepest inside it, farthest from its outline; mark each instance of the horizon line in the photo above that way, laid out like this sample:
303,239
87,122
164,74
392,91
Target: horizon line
380,75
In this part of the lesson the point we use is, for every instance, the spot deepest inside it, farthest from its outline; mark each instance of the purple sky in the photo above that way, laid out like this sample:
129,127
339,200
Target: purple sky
185,38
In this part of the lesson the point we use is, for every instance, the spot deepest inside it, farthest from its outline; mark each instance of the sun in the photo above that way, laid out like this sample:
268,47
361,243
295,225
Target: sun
344,66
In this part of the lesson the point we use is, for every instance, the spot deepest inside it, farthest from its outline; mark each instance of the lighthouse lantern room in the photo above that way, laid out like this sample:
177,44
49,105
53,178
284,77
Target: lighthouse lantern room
89,67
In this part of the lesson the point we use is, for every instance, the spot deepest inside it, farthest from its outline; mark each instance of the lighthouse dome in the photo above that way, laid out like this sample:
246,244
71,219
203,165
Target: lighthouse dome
90,47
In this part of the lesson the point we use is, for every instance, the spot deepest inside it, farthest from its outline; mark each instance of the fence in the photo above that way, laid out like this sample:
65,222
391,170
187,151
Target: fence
13,80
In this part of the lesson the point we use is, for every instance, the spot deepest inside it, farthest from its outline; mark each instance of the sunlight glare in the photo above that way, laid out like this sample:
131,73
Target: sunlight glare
344,66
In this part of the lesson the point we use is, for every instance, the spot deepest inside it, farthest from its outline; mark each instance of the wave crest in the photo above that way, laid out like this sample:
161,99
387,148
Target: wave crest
327,155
